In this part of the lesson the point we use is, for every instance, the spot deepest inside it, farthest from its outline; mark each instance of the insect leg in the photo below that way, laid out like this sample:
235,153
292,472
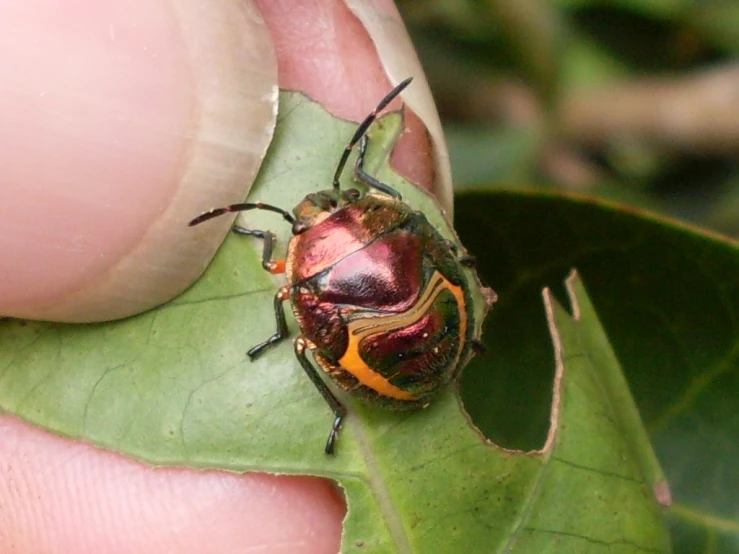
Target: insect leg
333,402
364,125
466,260
276,266
478,347
283,293
363,177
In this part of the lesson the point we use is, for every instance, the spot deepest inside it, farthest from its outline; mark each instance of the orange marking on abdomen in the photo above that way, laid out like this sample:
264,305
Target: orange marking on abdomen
359,329
354,364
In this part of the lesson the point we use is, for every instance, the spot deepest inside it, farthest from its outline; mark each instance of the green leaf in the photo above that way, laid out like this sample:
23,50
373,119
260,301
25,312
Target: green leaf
173,386
652,8
668,297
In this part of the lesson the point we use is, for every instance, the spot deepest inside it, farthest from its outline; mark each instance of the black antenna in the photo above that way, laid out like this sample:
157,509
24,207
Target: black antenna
241,208
362,129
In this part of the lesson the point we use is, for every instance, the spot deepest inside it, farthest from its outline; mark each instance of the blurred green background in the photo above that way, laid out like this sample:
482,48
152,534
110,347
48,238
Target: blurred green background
630,100
633,100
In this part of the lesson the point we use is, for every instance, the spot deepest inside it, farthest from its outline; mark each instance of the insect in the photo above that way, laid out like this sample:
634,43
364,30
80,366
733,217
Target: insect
380,297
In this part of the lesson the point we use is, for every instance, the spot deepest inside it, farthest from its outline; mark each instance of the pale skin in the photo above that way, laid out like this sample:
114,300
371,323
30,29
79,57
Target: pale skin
58,495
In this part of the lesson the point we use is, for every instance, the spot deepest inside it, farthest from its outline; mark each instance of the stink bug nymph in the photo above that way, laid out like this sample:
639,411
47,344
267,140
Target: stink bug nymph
380,297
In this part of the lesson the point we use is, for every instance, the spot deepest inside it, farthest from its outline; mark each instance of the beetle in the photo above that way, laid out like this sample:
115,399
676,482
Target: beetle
380,297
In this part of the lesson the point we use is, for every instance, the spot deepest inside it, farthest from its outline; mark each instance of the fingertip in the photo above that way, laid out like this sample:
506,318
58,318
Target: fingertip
121,119
72,497
89,113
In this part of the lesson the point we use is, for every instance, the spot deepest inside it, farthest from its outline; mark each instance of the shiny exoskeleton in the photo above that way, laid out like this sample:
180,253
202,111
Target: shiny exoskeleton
379,295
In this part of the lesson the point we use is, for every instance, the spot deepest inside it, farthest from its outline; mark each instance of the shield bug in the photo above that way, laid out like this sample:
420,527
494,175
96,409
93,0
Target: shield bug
380,296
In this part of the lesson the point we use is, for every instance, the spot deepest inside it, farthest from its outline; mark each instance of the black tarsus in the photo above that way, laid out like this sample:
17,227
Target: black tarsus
281,332
362,129
478,347
269,242
362,176
465,260
336,406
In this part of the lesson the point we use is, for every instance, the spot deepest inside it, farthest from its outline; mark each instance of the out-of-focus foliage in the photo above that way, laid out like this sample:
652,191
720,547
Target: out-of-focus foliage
636,101
630,99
